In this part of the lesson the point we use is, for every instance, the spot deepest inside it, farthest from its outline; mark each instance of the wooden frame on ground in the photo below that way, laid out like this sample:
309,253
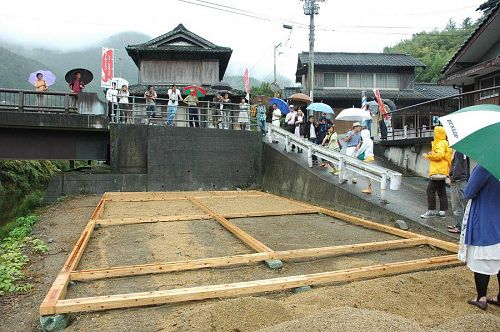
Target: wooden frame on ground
55,302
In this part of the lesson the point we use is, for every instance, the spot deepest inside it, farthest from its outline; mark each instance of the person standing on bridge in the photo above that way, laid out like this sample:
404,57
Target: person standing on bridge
111,94
150,96
352,141
174,95
40,86
261,117
192,102
439,170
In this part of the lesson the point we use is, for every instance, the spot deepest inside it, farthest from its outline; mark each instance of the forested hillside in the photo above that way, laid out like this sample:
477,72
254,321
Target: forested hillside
434,48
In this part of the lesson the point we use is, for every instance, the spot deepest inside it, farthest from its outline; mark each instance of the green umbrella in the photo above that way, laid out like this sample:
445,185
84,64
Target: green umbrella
475,131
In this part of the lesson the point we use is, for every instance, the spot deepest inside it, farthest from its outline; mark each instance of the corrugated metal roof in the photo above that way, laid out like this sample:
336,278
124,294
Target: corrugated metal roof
361,59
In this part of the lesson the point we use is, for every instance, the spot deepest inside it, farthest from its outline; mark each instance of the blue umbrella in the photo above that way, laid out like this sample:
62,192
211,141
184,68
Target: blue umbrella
282,105
320,107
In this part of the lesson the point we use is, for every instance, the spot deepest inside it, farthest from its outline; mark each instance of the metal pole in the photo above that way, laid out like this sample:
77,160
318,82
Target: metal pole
311,51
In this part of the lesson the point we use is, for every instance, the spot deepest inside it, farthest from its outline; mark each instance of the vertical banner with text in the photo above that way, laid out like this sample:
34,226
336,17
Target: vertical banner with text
107,67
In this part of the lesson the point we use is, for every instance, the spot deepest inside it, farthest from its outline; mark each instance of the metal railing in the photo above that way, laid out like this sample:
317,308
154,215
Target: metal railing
33,101
341,161
419,120
205,114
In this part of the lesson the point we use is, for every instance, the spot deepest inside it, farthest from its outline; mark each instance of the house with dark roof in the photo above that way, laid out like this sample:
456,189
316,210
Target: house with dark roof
476,64
340,78
181,57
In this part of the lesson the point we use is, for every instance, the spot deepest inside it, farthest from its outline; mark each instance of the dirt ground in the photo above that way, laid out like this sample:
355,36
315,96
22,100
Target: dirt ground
422,301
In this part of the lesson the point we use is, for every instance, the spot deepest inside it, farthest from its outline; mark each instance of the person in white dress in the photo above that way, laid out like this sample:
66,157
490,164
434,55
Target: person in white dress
243,119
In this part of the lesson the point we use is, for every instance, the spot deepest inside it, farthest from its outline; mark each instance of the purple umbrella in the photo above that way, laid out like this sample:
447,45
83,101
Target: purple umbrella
48,76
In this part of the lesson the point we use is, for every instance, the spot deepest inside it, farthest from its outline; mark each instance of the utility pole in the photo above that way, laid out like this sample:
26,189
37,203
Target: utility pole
275,49
311,8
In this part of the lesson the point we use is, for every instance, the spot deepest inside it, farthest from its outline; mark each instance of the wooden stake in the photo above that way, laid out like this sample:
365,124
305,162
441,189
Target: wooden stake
248,287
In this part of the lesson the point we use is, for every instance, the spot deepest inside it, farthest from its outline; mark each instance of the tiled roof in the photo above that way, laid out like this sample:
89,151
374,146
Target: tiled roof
421,92
361,59
493,12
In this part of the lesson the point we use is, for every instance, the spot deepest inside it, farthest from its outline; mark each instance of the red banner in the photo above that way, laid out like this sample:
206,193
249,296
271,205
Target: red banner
246,79
107,67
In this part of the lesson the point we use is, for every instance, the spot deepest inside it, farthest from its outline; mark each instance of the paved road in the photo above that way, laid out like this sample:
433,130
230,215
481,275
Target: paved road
409,201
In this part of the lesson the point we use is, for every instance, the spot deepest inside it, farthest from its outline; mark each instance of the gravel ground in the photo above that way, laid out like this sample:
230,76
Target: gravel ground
421,301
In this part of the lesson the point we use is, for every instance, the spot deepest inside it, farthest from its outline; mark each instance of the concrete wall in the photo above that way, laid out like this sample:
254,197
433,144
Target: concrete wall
407,157
128,148
285,177
72,184
187,158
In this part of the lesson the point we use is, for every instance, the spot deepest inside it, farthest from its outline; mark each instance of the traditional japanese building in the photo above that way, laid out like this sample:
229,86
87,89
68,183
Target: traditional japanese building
340,78
181,57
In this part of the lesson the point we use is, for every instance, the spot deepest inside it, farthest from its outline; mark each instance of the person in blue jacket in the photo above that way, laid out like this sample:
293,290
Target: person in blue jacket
482,233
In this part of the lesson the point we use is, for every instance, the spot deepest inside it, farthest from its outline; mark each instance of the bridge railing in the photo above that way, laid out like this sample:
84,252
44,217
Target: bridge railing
33,101
342,162
205,114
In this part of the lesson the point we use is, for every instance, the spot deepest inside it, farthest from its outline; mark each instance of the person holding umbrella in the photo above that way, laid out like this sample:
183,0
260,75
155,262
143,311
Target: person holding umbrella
40,86
77,85
192,102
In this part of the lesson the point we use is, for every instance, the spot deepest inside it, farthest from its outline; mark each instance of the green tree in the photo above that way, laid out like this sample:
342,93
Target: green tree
263,90
434,48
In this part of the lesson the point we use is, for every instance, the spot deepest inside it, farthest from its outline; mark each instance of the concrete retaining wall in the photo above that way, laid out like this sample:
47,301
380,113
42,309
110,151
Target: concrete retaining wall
72,184
407,157
285,177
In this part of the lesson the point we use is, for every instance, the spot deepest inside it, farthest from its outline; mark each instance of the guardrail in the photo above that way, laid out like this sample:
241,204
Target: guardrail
341,161
33,101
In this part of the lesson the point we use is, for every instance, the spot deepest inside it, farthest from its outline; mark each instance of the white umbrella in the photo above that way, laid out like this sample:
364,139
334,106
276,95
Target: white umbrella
353,114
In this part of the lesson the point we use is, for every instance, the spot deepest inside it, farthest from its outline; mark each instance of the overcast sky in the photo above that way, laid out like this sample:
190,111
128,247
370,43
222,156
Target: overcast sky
353,26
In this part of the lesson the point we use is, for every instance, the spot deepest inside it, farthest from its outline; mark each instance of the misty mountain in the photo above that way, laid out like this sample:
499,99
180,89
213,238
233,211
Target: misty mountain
59,62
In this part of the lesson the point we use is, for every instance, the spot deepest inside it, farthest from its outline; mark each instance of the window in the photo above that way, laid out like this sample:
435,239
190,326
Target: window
362,80
489,82
335,80
387,81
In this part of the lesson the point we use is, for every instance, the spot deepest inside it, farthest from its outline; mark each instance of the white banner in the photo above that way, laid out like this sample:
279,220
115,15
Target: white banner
107,67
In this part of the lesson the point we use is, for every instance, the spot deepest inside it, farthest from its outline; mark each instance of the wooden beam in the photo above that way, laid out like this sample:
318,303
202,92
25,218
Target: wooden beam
268,213
448,246
129,221
197,264
347,249
369,224
235,230
248,287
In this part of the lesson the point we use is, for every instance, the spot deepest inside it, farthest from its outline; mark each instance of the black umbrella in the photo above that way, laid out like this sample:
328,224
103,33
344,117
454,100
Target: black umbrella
390,103
221,86
86,78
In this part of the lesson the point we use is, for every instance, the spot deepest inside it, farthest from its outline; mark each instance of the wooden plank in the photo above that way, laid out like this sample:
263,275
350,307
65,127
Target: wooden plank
347,249
197,264
268,213
448,246
369,224
235,230
248,287
59,287
129,221
242,259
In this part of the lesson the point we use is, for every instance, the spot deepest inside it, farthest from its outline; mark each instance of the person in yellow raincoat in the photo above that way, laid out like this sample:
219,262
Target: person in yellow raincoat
439,170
